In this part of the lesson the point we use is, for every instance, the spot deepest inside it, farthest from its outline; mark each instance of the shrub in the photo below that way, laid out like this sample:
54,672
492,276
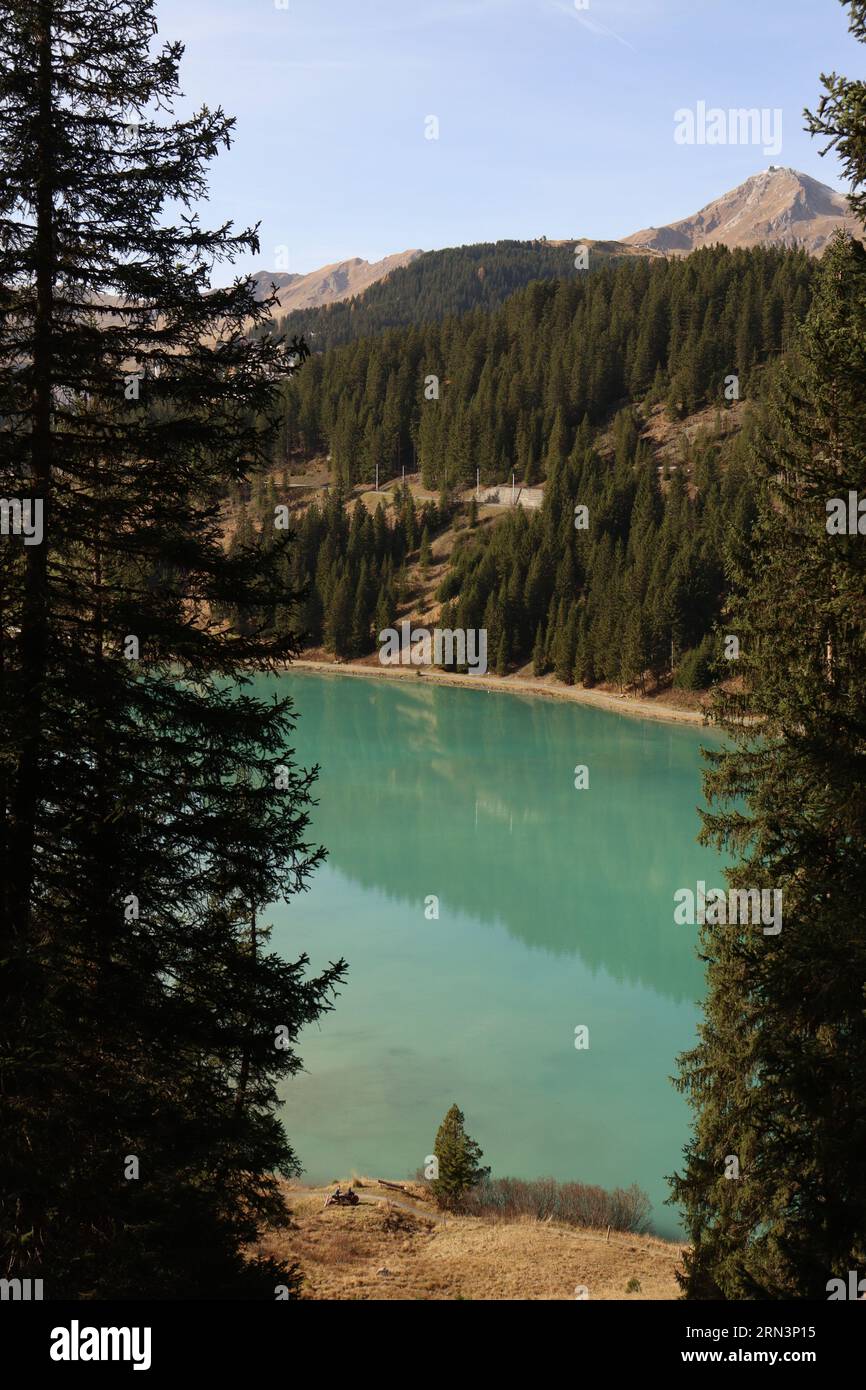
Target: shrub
572,1203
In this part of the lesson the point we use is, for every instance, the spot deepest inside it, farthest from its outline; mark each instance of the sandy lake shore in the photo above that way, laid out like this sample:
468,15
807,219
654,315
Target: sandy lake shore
515,685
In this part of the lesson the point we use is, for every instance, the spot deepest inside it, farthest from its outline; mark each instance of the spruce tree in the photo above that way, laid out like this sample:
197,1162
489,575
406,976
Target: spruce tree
425,557
360,635
565,647
151,804
777,1079
458,1158
635,656
338,621
538,662
383,616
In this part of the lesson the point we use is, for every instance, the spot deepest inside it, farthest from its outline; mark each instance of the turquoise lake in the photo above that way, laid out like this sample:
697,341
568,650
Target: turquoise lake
555,912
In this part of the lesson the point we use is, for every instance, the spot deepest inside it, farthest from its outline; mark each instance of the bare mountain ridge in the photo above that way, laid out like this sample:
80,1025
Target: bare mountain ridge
327,285
777,207
330,283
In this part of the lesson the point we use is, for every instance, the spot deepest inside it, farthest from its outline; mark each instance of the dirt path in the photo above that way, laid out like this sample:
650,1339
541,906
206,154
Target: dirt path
383,1193
425,1213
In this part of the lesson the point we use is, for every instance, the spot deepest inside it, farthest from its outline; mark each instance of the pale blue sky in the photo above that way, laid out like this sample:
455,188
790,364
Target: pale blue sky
553,121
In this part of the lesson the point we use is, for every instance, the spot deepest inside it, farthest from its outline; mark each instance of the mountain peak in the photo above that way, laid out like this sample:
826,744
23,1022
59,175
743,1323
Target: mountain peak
777,206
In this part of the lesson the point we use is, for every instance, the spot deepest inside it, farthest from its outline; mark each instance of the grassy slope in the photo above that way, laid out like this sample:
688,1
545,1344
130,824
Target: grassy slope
381,1251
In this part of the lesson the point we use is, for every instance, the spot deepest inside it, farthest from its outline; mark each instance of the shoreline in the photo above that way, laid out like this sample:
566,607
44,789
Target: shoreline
514,685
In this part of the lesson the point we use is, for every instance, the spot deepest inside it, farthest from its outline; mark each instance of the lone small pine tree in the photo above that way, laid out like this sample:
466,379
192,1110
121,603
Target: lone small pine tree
458,1155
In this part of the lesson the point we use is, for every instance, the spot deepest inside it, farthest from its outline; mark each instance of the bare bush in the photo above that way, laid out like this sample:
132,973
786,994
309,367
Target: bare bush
573,1203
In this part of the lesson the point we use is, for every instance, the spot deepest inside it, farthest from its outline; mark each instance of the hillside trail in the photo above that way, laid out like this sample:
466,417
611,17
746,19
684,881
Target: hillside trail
368,1198
423,1212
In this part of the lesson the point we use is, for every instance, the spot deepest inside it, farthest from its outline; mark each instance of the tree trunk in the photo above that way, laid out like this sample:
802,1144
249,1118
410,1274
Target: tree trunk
34,620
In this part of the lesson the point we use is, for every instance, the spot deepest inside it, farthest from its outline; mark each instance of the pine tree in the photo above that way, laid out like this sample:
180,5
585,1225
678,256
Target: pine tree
151,807
360,639
384,613
539,665
457,1155
338,620
565,648
425,557
777,1079
635,657
409,519
502,655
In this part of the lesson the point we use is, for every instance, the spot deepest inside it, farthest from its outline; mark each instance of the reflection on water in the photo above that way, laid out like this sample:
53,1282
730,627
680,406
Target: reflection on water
555,909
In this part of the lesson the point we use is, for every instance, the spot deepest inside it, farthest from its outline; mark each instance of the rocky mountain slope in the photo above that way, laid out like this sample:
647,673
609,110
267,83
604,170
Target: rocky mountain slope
778,207
330,283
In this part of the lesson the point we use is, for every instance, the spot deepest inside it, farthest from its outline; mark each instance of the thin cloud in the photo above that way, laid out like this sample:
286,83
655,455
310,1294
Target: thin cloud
592,25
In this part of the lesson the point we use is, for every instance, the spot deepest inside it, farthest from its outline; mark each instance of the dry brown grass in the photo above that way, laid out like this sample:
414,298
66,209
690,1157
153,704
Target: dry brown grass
378,1250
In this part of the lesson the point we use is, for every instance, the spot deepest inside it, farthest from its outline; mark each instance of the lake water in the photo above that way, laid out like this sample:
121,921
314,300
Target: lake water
555,911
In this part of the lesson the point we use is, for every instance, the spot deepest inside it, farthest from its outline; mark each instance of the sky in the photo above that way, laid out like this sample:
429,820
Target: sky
555,118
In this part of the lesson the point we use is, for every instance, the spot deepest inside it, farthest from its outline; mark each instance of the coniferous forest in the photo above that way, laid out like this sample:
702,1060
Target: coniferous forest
435,285
507,389
554,387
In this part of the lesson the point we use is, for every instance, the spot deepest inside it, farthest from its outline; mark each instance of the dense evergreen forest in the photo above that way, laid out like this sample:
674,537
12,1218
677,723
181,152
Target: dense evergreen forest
507,390
439,283
631,597
556,384
349,570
